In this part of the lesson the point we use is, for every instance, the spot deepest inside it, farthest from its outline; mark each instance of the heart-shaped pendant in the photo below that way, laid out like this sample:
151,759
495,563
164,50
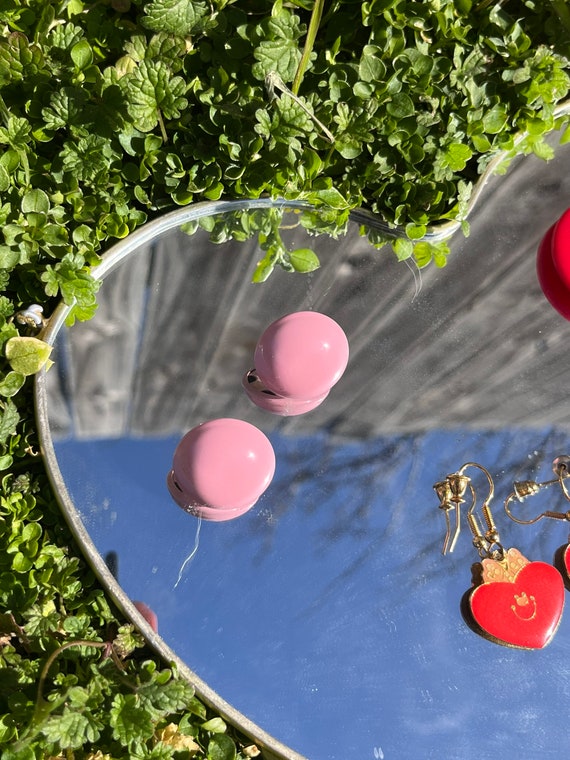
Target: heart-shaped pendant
520,603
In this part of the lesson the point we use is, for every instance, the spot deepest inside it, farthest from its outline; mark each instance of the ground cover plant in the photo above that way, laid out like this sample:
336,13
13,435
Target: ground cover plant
112,112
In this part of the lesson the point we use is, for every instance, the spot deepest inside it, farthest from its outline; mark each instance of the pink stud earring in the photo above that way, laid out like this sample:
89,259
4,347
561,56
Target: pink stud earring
220,469
298,359
553,265
148,614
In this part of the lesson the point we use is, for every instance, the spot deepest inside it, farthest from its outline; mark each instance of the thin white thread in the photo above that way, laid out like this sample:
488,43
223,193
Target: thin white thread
192,554
417,275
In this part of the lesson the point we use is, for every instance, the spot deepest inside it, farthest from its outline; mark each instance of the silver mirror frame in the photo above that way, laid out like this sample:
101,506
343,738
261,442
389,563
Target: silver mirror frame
272,749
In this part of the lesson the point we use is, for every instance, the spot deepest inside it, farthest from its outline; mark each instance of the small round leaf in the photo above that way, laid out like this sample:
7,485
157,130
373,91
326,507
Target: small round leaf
304,260
27,355
11,384
81,54
35,201
221,747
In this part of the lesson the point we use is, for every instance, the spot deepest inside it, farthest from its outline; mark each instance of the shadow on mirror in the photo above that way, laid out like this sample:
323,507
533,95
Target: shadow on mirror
327,614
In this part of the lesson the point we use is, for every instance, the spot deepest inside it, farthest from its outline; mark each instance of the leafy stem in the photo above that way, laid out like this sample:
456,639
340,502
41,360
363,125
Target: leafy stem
107,645
309,44
277,254
43,709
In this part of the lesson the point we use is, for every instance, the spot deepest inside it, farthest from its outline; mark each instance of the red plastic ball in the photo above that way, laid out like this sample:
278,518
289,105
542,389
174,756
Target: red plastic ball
560,248
552,284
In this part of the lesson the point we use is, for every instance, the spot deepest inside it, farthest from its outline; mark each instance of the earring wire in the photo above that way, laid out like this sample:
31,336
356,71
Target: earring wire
524,488
450,492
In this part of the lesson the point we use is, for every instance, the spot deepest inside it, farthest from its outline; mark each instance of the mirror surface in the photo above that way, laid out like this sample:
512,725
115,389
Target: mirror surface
327,614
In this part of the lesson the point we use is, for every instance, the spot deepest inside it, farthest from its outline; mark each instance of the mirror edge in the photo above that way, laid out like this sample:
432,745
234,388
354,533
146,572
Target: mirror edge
271,747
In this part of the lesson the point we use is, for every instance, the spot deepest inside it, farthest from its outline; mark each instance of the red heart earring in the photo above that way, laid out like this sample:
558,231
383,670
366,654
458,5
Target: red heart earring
522,489
298,359
514,602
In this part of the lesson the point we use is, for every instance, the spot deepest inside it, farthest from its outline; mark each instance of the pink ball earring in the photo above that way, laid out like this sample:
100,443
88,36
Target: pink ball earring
220,469
553,265
298,359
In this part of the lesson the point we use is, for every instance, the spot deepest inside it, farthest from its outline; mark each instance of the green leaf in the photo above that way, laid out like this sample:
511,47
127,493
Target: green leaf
9,418
31,532
453,158
35,201
456,155
7,729
163,698
362,90
64,36
22,753
495,119
543,150
304,260
221,747
167,47
27,355
279,52
425,252
54,234
265,266
415,231
371,68
216,725
72,729
6,461
17,133
77,286
331,196
196,708
129,721
126,641
401,106
161,751
151,91
565,138
403,248
21,563
11,383
9,257
4,179
66,108
19,59
82,54
179,17
89,159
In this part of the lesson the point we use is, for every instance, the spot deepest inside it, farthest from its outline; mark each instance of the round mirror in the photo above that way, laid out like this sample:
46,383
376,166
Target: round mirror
325,617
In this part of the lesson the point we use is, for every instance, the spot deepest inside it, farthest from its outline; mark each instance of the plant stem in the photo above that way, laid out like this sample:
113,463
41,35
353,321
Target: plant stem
53,657
161,125
42,708
309,43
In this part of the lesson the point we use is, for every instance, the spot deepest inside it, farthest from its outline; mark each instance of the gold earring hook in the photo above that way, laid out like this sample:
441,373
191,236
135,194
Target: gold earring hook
451,492
524,488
